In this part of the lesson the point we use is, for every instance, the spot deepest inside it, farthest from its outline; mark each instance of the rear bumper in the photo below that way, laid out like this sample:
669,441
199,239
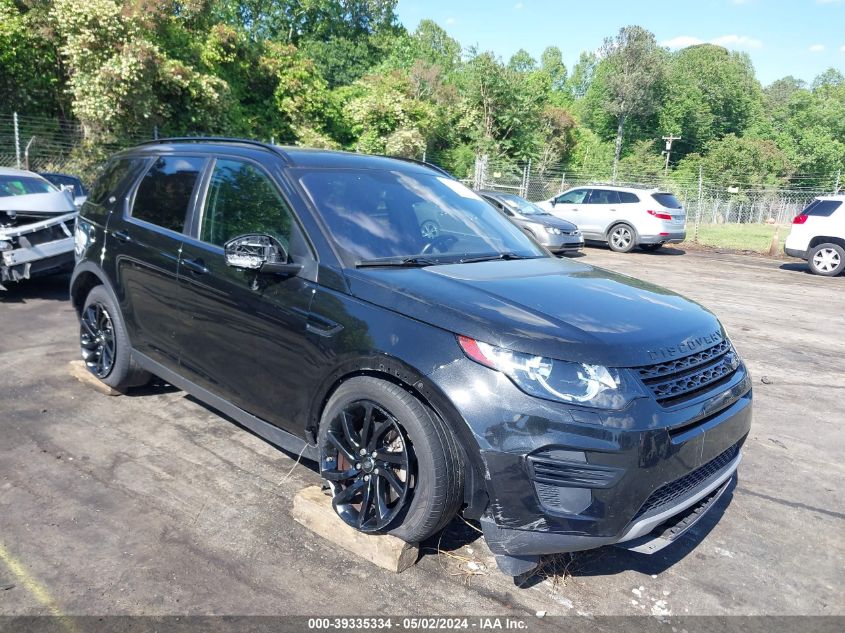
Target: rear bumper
671,237
795,252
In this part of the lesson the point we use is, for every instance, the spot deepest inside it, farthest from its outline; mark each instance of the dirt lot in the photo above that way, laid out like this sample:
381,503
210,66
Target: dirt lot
154,504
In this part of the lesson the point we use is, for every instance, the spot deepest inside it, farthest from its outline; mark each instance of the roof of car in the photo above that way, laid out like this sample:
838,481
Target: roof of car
839,196
293,155
602,185
11,171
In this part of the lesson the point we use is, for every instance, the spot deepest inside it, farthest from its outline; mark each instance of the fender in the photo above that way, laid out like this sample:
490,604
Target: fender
397,371
79,270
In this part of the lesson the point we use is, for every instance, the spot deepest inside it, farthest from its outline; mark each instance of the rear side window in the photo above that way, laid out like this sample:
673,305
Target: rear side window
113,175
165,191
667,200
626,197
603,196
576,196
824,208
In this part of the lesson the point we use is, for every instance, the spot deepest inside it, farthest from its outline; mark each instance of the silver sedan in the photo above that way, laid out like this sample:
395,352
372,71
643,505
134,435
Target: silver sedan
559,236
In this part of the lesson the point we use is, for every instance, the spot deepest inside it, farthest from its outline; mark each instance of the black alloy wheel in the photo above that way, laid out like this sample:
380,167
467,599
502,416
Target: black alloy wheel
97,340
369,464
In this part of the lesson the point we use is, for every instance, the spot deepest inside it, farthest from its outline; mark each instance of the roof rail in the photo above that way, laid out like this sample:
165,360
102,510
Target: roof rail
217,139
423,163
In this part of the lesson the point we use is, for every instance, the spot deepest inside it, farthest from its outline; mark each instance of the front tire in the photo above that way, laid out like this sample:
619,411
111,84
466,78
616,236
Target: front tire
827,259
104,343
392,465
622,238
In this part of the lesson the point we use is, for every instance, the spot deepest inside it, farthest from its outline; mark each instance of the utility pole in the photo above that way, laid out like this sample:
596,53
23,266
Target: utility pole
668,151
698,210
17,140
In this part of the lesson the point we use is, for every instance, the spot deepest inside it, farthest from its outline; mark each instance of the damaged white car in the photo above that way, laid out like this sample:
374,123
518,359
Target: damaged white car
36,226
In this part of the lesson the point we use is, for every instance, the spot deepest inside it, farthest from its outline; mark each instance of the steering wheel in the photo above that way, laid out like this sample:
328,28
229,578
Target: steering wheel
440,242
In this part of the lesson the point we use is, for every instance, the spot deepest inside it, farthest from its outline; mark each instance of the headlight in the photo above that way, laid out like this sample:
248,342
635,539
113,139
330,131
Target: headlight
563,381
553,230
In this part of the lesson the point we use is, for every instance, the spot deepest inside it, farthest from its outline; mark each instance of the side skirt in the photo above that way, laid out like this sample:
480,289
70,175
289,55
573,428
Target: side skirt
272,434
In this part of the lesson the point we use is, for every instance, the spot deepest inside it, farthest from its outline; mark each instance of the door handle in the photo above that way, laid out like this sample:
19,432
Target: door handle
614,210
122,236
196,266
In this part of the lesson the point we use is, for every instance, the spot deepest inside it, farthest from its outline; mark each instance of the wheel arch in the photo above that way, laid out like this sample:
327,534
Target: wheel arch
393,370
85,277
822,239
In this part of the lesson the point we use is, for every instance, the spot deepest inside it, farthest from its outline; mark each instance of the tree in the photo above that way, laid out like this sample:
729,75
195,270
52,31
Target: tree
582,75
551,63
737,161
522,62
635,67
709,92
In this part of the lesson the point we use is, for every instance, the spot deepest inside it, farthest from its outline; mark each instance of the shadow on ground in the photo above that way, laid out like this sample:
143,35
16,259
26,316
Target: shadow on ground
53,288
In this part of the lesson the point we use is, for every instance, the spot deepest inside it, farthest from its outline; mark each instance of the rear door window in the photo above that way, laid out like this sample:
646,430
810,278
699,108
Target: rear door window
603,196
667,200
626,197
824,208
166,190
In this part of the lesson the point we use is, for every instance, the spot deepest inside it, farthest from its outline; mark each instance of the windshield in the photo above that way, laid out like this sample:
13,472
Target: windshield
60,180
22,185
520,205
374,214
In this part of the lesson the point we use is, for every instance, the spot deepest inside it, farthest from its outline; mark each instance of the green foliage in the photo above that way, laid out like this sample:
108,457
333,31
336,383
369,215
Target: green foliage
345,74
709,93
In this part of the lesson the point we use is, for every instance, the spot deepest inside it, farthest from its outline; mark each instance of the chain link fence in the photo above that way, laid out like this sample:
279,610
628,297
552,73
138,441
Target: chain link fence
706,203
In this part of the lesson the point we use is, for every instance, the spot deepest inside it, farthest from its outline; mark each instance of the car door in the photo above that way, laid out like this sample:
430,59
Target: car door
570,206
244,333
146,240
602,210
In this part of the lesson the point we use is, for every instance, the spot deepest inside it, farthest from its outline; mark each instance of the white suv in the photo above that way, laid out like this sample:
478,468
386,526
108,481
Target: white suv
624,217
818,235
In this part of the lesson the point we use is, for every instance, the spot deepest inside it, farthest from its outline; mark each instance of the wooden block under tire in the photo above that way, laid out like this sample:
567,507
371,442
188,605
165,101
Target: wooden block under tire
313,509
79,371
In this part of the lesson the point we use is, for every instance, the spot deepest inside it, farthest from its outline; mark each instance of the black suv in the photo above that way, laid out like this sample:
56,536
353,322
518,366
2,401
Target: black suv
563,406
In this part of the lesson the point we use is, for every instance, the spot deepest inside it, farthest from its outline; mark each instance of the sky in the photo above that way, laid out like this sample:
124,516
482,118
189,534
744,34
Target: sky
801,38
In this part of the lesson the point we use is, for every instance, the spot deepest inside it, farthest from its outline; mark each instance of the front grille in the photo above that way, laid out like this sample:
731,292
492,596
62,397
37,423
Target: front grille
676,381
668,493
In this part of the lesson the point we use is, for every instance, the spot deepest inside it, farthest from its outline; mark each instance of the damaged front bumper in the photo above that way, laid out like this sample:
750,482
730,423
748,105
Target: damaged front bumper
563,478
36,248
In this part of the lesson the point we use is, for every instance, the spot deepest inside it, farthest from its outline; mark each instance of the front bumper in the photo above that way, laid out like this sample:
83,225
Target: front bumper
671,237
563,478
563,243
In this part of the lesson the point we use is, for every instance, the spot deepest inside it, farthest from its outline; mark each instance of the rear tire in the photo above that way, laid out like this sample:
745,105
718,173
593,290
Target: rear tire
827,259
430,488
622,238
105,345
651,247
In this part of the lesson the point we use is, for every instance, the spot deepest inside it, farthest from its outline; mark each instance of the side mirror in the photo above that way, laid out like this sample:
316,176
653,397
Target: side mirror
260,253
554,202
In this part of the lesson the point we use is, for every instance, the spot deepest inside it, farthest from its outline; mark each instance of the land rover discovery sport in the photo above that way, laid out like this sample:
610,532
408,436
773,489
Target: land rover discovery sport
295,290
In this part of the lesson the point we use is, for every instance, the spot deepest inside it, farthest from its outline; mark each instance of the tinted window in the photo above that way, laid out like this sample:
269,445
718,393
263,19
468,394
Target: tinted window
603,196
22,185
165,191
626,197
667,200
241,199
576,196
824,208
111,177
377,213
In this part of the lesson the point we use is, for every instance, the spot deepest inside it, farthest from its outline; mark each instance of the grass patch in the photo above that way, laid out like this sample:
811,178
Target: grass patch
739,237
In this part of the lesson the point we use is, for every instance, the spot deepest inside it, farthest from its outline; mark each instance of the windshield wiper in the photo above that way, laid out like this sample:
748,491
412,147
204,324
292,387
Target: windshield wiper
495,257
393,262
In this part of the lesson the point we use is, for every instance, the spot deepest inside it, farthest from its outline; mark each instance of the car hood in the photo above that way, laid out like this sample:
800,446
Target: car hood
555,308
38,203
548,220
